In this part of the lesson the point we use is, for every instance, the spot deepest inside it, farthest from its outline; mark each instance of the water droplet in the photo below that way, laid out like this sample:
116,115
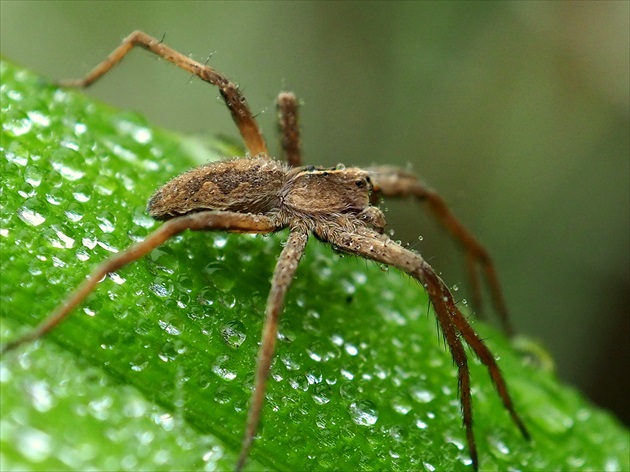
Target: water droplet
347,374
337,340
163,260
314,377
82,193
298,382
348,390
222,278
41,398
100,408
39,118
122,152
135,406
144,220
29,215
286,334
15,95
321,393
455,442
498,447
206,296
222,393
33,176
348,287
34,444
576,463
62,240
106,221
54,275
169,328
105,185
79,129
142,135
55,196
161,288
394,454
161,457
74,212
612,465
291,361
398,433
17,123
138,366
68,163
168,352
363,413
428,467
421,395
166,421
318,352
421,424
27,191
219,241
583,414
400,405
234,333
221,370
212,457
351,349
228,300
394,316
89,243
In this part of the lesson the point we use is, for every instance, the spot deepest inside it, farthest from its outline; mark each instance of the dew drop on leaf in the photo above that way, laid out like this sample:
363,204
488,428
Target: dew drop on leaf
234,333
363,412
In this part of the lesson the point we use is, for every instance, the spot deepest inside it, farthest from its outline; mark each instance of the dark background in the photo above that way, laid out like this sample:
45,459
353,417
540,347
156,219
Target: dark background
518,113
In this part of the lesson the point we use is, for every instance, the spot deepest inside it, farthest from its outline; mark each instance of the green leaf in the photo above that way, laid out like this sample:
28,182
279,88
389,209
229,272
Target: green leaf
154,371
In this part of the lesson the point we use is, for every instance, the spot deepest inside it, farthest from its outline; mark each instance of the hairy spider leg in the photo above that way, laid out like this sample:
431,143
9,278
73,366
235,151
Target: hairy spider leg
287,104
367,243
280,283
202,221
235,101
393,182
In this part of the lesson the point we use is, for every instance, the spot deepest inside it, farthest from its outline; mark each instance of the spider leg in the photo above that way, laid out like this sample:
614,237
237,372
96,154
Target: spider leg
287,104
235,101
371,245
280,283
202,221
393,182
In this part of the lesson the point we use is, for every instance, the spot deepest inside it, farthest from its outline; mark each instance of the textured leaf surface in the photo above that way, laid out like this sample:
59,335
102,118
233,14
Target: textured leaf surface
154,370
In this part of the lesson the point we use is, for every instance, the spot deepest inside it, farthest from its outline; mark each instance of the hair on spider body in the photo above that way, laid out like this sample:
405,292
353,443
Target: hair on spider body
245,185
258,194
259,185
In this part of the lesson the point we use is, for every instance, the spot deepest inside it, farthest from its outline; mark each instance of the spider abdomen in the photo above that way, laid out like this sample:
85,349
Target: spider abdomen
249,185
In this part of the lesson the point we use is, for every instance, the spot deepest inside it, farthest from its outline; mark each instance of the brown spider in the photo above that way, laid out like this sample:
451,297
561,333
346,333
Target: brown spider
258,194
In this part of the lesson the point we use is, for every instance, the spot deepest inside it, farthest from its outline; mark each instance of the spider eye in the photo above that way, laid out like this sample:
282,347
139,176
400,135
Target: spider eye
360,183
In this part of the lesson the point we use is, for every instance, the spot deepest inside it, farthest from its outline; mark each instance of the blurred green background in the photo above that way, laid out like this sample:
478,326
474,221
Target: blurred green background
517,112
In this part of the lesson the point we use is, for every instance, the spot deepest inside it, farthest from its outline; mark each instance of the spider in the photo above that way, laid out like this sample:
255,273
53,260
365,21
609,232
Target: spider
258,194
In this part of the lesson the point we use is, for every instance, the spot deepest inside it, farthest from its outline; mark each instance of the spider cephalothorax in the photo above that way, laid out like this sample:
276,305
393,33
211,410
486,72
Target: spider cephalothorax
258,194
